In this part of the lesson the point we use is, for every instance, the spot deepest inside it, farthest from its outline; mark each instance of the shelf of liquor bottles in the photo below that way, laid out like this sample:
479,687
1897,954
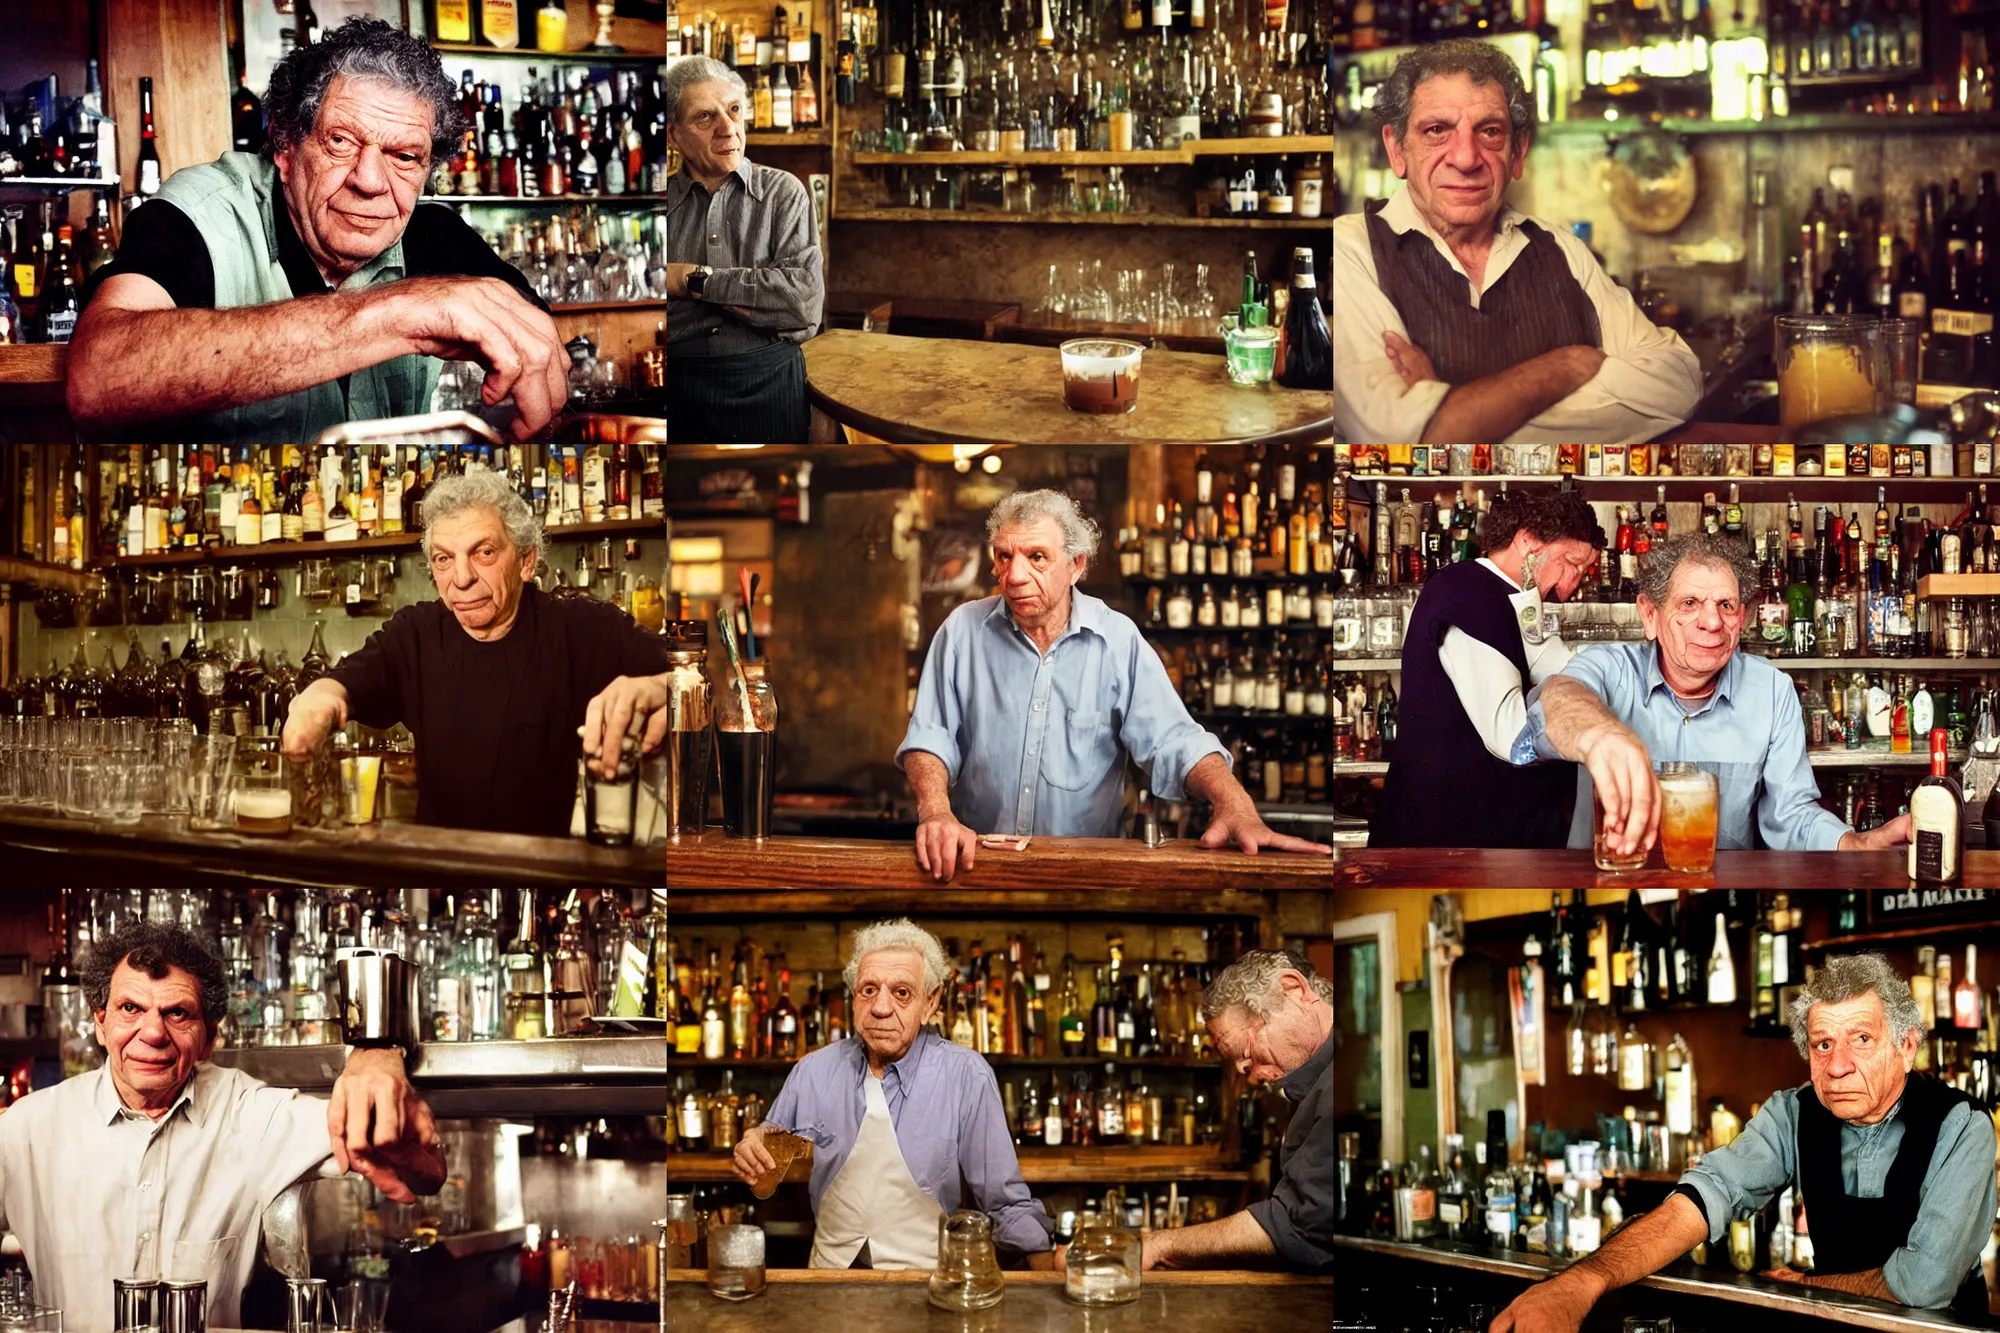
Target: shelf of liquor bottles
1831,123
519,200
401,541
678,1063
810,138
987,216
1039,1166
58,184
582,56
1188,153
1751,489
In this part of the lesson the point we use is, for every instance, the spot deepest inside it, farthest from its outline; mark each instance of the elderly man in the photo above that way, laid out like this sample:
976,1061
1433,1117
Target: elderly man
1686,693
496,680
744,286
1030,700
103,1174
898,1117
1462,319
1271,1018
263,299
1897,1168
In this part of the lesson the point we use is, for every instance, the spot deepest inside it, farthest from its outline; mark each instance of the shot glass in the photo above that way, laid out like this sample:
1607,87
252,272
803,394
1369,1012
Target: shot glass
1601,850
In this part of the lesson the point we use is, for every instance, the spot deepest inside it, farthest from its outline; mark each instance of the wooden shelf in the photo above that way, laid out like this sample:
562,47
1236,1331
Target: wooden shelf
530,53
23,572
1958,585
1039,1166
1753,490
399,541
56,183
1836,123
822,137
1078,219
1919,934
1184,155
596,307
1875,754
524,199
1080,1064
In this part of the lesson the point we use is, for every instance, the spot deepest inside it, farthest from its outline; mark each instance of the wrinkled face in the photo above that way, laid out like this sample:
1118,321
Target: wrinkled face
1457,152
477,571
1858,1072
152,1032
1032,572
352,182
1697,629
710,130
1560,567
1266,1049
890,1003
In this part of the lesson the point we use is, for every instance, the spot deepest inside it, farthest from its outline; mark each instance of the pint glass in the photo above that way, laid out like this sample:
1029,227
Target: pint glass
1688,808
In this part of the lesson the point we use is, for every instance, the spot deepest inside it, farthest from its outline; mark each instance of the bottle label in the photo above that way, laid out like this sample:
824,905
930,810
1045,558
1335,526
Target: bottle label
1451,1212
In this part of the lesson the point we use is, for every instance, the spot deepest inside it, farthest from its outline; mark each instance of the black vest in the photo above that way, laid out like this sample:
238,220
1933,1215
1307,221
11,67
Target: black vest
1853,1235
1444,788
1535,307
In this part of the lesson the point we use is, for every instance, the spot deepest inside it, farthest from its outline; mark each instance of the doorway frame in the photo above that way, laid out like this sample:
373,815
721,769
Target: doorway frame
1381,928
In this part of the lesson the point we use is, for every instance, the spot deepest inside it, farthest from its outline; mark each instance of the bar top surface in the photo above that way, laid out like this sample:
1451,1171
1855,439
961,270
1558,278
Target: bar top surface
715,861
1746,1289
956,390
1483,868
847,1301
377,854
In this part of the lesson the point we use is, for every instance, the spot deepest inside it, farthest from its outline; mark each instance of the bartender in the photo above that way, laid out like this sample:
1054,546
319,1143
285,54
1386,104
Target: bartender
902,1122
1475,645
496,680
1031,700
102,1175
1896,1168
263,298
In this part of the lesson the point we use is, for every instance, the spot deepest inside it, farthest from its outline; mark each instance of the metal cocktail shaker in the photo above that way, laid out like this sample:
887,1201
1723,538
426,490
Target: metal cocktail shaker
184,1307
688,728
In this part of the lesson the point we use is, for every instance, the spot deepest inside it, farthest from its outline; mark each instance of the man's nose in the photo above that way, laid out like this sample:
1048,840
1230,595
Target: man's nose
1708,617
371,171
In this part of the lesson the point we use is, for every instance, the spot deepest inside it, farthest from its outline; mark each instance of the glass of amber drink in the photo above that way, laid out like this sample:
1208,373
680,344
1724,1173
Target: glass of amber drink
1689,803
1601,850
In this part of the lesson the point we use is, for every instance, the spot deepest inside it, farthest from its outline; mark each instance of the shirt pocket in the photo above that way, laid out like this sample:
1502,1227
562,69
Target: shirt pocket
1738,786
1084,751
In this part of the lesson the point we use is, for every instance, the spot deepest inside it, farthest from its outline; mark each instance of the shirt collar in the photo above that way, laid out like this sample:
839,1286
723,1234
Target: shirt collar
1512,582
1402,216
1725,684
683,183
1085,613
109,1107
1296,1084
904,1069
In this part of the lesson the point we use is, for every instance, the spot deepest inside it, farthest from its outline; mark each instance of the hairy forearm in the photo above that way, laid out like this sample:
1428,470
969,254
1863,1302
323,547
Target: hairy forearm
129,366
1210,780
1646,1246
1570,712
1490,409
1869,1283
930,780
1208,1244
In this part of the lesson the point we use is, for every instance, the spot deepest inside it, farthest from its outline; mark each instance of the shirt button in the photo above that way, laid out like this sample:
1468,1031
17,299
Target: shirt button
1038,705
145,1184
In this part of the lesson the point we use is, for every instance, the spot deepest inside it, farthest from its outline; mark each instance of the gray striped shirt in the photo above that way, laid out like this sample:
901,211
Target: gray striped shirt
757,233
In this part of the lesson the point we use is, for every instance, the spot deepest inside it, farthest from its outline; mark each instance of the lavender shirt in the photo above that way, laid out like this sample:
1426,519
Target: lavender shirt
945,1105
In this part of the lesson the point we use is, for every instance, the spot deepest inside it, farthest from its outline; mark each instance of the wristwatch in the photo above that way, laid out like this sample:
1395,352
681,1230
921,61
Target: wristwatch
696,278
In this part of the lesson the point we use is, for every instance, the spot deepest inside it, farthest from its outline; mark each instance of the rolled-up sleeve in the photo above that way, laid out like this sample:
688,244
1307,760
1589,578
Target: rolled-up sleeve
993,1173
1298,1215
1753,1169
1954,1216
1158,731
1789,815
785,292
935,722
1601,669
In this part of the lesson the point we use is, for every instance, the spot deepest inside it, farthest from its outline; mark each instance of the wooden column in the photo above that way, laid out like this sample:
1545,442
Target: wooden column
179,45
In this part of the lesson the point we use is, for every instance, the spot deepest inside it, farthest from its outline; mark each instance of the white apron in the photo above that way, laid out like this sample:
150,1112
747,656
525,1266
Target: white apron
875,1201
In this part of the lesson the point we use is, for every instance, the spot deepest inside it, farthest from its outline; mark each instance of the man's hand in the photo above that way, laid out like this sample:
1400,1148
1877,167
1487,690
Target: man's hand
488,321
1626,787
1895,833
382,1130
752,1158
608,719
677,278
1243,826
1409,360
1044,1261
1059,1257
1555,1306
941,842
317,712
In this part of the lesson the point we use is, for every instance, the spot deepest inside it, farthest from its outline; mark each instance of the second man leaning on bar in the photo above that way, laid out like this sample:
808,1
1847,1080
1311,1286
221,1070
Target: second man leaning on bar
1030,701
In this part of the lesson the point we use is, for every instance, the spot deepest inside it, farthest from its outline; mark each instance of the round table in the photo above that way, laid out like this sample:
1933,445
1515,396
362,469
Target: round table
957,391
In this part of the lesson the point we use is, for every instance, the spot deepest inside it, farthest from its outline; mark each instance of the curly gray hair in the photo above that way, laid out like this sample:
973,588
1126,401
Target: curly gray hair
1483,61
1848,977
1657,568
1080,533
901,933
468,490
361,48
151,947
1251,983
689,71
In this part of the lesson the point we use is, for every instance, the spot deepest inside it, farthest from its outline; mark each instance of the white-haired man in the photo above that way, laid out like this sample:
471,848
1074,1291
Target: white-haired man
898,1118
1271,1017
1030,701
1896,1168
744,281
496,681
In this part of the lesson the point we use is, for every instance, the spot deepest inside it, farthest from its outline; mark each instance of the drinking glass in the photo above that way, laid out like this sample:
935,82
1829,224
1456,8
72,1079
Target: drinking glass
1901,337
208,784
967,1276
262,803
1829,366
1601,850
1101,375
360,781
749,753
1688,811
680,1226
135,1305
736,1262
1249,354
360,1306
118,790
1103,1266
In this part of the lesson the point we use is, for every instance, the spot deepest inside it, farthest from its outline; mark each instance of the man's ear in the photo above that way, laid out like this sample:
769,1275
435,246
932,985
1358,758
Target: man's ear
1397,162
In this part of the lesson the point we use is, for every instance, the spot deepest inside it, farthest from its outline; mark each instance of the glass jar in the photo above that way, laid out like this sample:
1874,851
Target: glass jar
967,1276
1829,366
1103,1266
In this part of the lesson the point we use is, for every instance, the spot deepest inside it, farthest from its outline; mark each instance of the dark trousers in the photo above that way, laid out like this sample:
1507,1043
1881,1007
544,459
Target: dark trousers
752,398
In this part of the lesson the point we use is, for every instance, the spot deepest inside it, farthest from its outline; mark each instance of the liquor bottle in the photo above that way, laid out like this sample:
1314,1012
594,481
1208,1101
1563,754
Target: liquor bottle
60,303
1721,967
1453,1201
1072,1024
1308,342
714,1028
149,149
1937,813
527,988
787,1035
1966,999
1498,1186
552,27
500,23
1103,1019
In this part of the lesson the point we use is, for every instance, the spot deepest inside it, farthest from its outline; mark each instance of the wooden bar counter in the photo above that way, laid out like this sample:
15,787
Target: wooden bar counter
1479,868
861,1301
40,848
959,391
1113,867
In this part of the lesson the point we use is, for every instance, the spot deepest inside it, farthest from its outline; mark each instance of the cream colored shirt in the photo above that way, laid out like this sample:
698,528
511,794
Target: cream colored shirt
1649,383
96,1191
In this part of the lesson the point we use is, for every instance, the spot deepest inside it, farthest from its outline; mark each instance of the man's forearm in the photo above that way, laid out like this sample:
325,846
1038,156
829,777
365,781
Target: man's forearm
1207,1244
1490,409
1646,1246
930,780
128,366
1570,711
1868,1283
1210,780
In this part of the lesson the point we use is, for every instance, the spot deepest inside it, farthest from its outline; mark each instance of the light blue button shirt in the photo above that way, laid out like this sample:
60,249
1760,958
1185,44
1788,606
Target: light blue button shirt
1749,733
1036,744
1957,1194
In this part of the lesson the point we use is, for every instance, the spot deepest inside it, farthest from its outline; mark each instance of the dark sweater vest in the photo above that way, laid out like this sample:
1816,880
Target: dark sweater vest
1535,307
1444,788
